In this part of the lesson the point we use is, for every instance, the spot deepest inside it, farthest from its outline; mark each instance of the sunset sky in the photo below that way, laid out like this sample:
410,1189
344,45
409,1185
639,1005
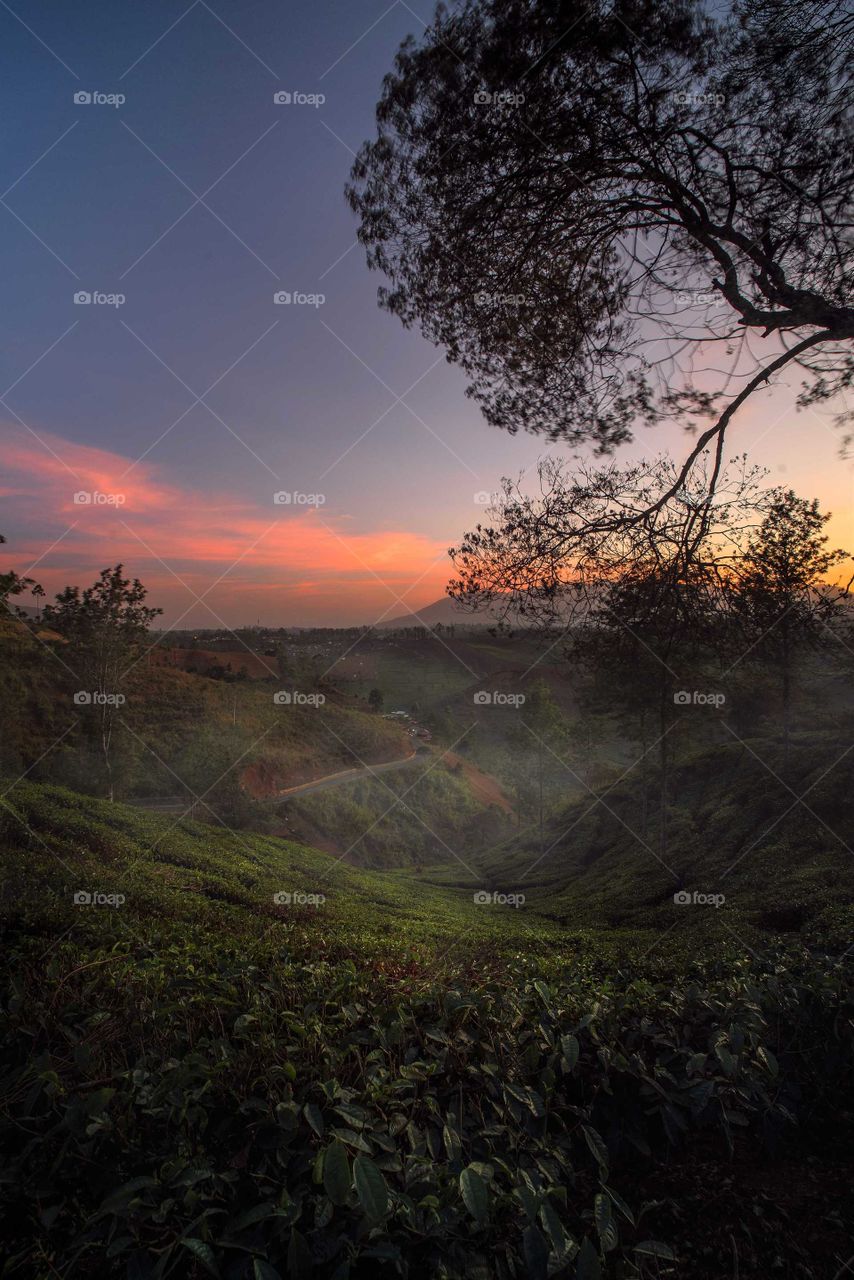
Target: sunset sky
189,406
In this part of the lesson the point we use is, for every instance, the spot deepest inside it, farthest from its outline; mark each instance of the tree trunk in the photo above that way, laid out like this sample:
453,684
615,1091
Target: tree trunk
541,798
787,695
106,735
663,755
644,778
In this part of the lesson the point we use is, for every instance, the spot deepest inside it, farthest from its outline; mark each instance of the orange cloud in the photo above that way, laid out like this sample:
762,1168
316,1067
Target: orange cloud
74,509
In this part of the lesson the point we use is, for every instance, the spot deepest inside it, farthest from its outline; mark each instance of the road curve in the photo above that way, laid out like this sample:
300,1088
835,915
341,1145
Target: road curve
180,804
344,775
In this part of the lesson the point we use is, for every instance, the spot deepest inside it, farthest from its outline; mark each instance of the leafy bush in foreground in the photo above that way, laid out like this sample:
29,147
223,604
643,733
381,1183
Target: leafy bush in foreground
190,1112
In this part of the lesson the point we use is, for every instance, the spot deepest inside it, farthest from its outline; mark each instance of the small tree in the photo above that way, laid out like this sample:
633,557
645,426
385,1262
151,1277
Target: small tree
12,584
375,700
780,594
105,626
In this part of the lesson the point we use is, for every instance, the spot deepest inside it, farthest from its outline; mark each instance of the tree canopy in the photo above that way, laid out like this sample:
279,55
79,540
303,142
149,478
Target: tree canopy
620,213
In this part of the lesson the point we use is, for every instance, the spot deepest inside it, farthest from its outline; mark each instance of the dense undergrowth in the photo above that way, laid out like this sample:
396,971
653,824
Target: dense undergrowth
202,1081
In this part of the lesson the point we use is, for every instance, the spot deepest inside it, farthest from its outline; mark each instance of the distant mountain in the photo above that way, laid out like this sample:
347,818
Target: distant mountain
449,613
444,611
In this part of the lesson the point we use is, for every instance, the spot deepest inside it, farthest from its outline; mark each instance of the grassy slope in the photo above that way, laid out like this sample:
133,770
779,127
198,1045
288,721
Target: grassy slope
425,814
782,866
181,1070
175,727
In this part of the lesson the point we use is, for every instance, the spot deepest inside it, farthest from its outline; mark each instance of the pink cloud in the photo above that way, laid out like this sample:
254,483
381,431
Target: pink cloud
269,556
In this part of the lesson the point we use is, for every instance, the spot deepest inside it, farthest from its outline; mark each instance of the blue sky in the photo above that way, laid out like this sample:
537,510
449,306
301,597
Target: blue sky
199,198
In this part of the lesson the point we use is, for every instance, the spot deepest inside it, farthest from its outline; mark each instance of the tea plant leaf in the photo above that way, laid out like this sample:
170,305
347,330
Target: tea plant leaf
371,1188
536,1252
203,1253
336,1173
264,1270
768,1060
300,1261
475,1195
314,1118
605,1225
587,1263
655,1249
571,1050
597,1147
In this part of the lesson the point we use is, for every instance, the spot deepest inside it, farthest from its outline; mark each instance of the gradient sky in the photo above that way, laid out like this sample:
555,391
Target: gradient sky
196,400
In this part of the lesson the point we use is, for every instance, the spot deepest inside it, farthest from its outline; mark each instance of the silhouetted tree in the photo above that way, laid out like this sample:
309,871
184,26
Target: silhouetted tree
587,207
105,626
12,584
781,596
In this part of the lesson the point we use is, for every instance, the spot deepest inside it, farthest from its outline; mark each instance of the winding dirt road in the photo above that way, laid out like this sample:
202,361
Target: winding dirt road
345,775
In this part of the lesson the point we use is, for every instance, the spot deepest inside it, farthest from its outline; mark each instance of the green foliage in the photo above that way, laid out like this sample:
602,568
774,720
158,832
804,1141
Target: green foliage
399,1082
436,814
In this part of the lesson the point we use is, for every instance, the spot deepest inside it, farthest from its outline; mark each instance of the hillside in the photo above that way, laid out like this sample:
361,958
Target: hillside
444,612
179,731
392,1079
734,828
